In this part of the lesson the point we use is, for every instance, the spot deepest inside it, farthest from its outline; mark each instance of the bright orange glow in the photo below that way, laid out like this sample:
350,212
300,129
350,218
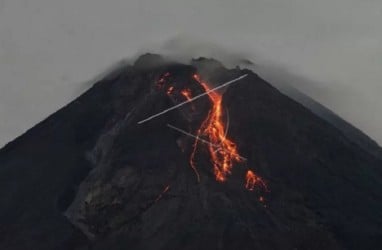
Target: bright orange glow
224,156
223,151
252,180
186,93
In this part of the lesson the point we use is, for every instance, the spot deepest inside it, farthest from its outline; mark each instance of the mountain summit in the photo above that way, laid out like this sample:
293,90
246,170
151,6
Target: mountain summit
243,167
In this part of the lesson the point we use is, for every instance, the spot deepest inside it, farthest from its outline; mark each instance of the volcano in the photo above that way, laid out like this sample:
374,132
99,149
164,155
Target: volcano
242,167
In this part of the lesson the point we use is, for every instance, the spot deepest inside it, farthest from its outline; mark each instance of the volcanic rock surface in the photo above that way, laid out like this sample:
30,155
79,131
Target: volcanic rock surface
91,177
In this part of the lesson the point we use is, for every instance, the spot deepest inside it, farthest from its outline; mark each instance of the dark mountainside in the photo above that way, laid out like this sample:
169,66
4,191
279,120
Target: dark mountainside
353,133
90,177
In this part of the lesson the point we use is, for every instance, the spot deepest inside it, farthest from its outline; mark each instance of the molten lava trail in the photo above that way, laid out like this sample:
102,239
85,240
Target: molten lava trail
213,127
217,147
212,132
226,155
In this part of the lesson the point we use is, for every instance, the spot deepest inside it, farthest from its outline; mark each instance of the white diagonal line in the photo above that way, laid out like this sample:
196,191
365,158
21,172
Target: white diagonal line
191,135
192,99
200,139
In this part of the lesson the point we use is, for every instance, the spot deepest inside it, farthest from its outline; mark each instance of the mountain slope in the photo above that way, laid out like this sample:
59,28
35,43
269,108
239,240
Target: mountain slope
90,177
353,133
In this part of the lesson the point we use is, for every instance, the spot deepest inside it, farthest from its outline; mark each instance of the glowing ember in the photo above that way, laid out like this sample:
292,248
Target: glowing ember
169,91
186,93
162,79
252,180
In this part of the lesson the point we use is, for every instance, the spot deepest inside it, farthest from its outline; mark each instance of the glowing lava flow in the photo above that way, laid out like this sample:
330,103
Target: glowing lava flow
213,127
223,152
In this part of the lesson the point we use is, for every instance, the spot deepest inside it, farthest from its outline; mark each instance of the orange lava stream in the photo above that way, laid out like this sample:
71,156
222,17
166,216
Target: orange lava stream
223,152
213,127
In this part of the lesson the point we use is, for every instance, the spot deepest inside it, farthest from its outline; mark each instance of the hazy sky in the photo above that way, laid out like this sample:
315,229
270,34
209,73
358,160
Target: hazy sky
49,49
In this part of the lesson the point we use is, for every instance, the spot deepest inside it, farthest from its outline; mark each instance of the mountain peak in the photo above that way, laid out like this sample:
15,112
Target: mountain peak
148,60
244,167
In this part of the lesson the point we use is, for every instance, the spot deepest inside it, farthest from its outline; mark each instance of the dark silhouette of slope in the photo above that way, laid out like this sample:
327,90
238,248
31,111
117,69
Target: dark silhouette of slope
282,80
